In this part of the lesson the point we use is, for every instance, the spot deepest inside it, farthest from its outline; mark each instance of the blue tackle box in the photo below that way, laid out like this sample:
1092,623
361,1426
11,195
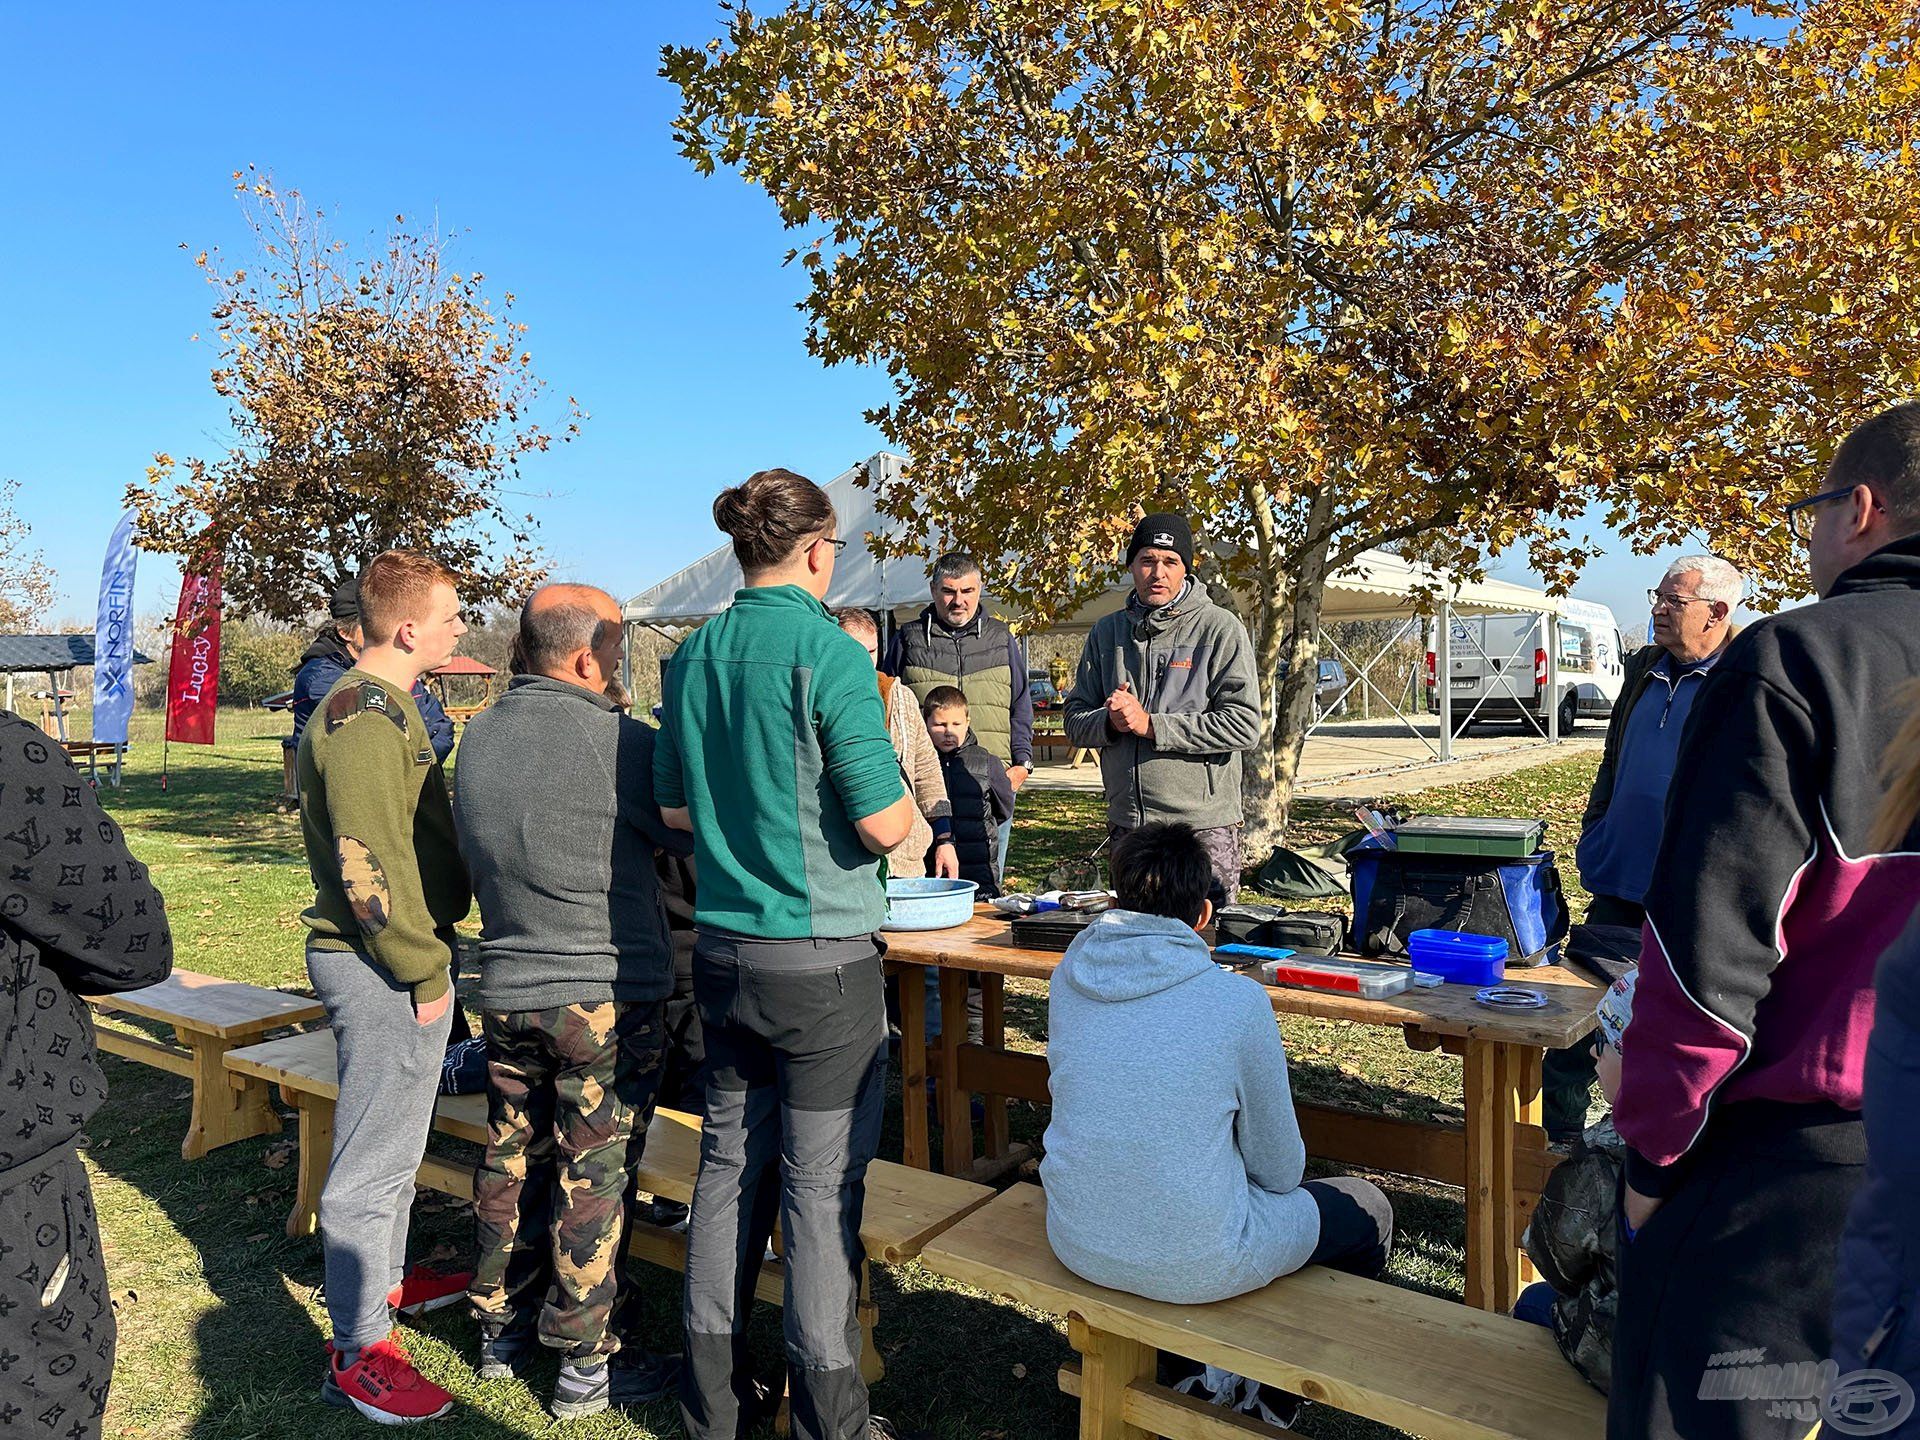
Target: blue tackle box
1457,957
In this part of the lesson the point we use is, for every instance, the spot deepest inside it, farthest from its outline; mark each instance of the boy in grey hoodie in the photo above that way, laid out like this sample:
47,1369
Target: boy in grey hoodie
1208,1200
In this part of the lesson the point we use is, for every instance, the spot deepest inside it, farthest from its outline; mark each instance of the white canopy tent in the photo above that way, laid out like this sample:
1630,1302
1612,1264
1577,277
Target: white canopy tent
1375,586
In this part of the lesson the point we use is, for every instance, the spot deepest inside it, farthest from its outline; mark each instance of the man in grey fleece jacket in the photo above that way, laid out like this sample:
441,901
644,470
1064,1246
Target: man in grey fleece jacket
559,827
1174,1164
1168,694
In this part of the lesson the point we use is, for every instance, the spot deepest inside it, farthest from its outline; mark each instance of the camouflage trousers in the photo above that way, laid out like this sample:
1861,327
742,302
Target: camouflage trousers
570,1093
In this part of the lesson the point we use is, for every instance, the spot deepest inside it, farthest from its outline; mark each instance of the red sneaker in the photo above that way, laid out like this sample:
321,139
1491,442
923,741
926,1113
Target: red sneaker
423,1288
383,1386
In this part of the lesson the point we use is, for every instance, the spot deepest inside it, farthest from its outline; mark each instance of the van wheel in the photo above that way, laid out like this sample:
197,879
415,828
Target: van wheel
1569,714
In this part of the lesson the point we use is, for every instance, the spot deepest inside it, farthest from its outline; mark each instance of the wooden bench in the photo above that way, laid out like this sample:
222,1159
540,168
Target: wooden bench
1047,745
210,1017
905,1209
1433,1367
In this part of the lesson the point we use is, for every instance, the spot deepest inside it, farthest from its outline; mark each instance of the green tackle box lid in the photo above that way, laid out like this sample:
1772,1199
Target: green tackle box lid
1471,835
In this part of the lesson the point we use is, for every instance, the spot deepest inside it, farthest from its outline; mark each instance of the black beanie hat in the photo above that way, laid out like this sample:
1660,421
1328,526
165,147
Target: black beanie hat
1163,531
346,599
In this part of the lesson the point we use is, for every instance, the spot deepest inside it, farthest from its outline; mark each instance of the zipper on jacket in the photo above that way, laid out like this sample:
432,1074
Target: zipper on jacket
1888,1322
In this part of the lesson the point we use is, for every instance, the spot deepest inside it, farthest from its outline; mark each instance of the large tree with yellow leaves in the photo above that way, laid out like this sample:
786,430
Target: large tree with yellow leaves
1330,274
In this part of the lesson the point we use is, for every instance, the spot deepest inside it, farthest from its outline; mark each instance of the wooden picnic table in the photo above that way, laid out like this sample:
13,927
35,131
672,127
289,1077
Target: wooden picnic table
1498,1156
209,1016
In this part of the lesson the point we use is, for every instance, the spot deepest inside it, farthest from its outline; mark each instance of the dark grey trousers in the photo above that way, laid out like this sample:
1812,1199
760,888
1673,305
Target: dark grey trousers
796,1071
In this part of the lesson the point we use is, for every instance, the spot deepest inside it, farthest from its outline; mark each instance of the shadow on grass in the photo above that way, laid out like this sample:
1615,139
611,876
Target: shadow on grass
250,1363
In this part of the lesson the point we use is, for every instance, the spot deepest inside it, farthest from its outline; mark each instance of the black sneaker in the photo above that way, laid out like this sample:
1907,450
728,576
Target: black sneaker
667,1214
640,1376
504,1355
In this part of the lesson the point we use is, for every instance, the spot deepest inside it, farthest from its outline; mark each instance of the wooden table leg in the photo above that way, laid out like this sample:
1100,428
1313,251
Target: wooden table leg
226,1107
1523,1066
1109,1364
916,1147
1485,1171
316,1155
993,1011
956,1114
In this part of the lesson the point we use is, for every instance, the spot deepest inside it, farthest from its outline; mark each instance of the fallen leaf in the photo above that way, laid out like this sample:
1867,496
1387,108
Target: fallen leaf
277,1156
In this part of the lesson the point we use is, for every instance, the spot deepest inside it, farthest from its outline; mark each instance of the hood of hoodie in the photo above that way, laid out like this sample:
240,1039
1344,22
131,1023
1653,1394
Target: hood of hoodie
1124,955
1155,618
326,643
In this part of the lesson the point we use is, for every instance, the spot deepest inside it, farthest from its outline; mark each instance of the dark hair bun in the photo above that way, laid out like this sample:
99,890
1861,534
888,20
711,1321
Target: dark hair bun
771,516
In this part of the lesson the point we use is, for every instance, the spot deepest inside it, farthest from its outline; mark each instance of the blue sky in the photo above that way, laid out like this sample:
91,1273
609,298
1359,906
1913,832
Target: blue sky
653,295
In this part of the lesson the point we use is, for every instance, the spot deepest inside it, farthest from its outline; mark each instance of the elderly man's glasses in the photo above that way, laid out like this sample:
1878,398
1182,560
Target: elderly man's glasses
1800,513
1662,600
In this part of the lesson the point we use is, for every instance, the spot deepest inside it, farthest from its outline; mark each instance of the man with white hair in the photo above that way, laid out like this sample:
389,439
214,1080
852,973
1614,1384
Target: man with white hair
1620,832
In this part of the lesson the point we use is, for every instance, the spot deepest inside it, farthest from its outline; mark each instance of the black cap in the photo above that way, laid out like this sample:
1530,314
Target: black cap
346,599
1163,531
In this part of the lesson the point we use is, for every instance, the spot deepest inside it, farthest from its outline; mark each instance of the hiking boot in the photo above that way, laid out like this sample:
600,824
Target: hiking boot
382,1385
504,1354
424,1288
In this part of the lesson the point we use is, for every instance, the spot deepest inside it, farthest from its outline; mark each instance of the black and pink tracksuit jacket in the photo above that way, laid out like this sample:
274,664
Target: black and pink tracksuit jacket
1768,910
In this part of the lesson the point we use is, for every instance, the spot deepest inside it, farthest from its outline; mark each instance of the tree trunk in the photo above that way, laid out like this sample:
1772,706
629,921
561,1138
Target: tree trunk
1288,624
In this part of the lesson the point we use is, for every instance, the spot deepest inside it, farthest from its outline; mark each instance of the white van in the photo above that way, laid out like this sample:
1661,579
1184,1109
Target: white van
1498,668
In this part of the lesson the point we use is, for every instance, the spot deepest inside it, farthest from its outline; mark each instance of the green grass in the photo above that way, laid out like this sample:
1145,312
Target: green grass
220,1328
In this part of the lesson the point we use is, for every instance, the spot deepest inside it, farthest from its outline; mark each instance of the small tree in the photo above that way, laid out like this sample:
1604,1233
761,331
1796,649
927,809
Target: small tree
256,661
1333,274
376,404
26,583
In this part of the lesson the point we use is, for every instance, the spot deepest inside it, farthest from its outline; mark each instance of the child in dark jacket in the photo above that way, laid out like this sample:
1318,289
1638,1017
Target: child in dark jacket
977,787
982,797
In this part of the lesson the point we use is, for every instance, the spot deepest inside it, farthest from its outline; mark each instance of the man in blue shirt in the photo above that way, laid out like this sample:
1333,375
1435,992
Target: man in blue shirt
1620,832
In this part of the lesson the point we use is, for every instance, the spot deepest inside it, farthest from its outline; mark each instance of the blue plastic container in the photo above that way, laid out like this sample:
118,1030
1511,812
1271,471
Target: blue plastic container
929,904
1457,957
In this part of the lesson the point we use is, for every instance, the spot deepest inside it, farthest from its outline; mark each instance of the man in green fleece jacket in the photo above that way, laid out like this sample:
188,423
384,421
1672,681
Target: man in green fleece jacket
1168,694
774,752
389,887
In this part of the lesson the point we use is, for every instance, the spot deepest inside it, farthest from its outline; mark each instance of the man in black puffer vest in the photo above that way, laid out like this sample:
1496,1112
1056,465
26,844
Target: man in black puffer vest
977,787
954,641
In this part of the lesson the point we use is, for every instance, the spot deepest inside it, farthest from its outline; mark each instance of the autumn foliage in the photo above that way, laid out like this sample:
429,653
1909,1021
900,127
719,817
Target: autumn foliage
26,584
1331,274
375,403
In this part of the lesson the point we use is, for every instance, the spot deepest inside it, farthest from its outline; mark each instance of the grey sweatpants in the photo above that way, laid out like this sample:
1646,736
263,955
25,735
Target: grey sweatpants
389,1077
796,1055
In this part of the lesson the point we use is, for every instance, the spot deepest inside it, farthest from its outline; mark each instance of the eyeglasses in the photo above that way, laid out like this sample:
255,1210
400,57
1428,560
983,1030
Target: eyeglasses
838,545
1661,600
1799,513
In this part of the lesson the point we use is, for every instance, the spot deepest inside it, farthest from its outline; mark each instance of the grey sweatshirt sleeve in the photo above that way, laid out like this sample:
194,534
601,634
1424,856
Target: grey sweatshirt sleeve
1267,1129
1086,711
1231,721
